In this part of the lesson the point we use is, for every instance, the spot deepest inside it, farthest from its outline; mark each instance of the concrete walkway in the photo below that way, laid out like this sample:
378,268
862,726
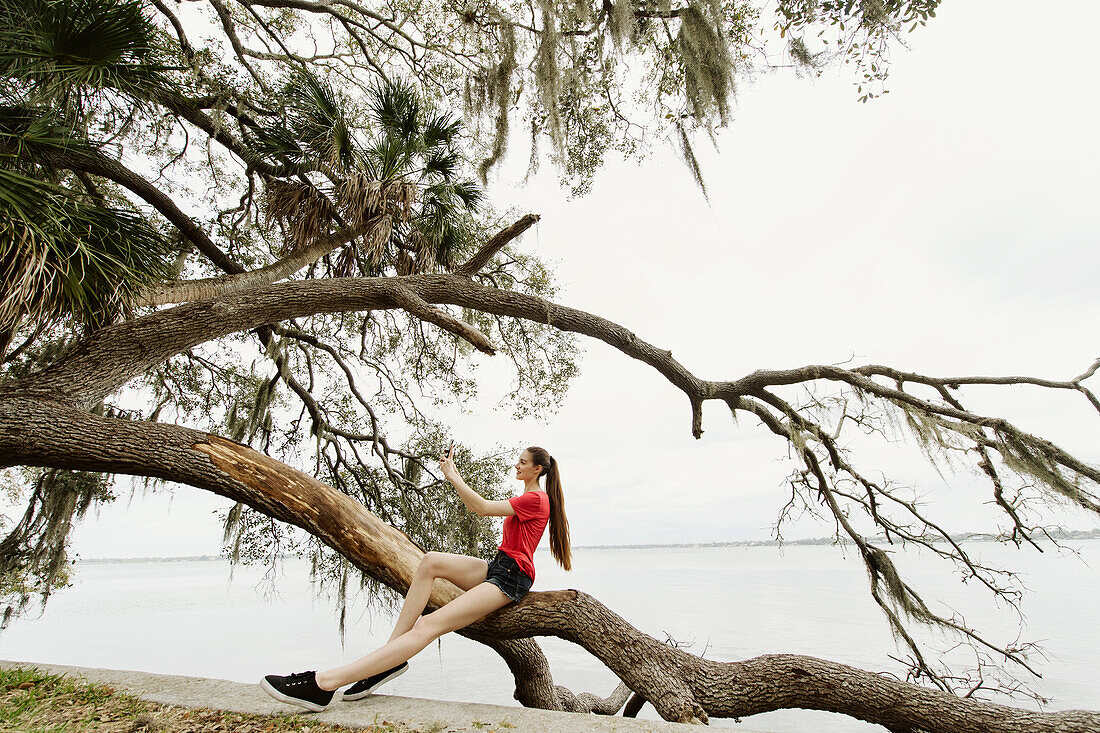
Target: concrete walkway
428,715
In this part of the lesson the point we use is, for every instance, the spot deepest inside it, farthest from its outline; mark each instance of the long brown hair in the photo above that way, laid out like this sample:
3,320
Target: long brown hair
559,525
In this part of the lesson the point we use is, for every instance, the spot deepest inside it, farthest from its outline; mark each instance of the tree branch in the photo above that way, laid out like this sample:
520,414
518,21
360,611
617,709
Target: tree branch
109,358
230,29
417,306
683,687
218,287
193,114
494,245
98,164
587,702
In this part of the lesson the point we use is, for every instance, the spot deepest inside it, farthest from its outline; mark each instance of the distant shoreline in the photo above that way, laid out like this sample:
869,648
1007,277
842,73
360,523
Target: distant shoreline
1090,534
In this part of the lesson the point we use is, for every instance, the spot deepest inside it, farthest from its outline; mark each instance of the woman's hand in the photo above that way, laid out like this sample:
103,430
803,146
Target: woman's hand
447,465
474,501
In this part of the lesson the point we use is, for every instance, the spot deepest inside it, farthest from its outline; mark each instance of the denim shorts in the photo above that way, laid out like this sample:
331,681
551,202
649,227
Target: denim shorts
504,573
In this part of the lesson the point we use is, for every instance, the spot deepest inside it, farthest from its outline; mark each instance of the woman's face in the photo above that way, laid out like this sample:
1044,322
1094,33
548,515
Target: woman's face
526,469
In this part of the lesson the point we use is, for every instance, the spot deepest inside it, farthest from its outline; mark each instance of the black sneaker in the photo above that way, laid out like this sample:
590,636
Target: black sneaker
362,688
298,689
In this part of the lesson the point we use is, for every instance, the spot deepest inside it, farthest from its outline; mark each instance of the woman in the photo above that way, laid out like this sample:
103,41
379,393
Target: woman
487,586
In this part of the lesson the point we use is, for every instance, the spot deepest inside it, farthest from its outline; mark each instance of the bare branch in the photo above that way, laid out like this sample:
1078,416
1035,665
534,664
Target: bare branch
192,112
238,48
417,306
185,45
178,292
1087,373
104,166
494,245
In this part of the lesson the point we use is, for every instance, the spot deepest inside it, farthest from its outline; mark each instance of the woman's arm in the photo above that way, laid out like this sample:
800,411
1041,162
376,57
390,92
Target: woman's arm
474,501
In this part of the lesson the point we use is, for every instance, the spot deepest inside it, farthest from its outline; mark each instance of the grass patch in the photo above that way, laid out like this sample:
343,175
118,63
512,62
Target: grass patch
32,701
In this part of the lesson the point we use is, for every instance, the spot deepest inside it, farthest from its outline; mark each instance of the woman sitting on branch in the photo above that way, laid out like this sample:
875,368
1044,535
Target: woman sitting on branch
488,586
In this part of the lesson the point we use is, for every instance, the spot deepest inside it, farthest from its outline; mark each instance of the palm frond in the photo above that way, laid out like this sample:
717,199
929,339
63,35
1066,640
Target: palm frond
361,198
306,212
377,241
401,186
440,130
317,120
388,158
440,164
65,50
60,257
395,106
443,230
469,193
277,141
31,136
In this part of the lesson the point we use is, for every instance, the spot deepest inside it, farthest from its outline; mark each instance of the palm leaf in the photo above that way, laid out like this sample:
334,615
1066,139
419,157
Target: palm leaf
276,141
441,165
60,257
317,119
395,106
441,130
65,50
32,136
305,211
469,193
410,155
389,158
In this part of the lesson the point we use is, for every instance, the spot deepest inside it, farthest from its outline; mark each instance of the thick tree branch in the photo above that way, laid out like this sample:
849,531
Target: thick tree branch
108,359
119,354
587,702
113,356
420,308
685,688
238,282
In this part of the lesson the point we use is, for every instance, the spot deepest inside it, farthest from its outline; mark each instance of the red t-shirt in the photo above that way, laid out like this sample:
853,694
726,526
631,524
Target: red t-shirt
523,530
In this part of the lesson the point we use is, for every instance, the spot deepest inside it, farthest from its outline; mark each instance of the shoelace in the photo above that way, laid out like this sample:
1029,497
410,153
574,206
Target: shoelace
299,677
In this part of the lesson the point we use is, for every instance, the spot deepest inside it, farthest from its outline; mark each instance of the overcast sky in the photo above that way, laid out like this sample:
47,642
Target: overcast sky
949,227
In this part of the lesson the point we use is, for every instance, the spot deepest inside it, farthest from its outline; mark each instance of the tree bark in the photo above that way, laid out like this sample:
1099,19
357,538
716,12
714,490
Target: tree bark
105,361
494,245
38,431
238,282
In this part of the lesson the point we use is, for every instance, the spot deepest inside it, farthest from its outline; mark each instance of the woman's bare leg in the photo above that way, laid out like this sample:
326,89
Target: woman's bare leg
464,571
471,606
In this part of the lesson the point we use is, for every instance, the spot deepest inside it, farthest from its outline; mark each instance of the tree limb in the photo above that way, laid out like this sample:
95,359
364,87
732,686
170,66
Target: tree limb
39,431
98,164
189,111
494,245
216,287
417,306
109,358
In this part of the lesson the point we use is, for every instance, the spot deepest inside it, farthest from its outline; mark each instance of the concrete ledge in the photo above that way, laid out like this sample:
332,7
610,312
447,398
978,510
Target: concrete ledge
438,715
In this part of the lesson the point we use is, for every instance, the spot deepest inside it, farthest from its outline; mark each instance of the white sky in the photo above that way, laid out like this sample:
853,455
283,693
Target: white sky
949,227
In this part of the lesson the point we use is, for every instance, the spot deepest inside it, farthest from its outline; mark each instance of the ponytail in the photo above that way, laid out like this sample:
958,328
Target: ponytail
559,524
